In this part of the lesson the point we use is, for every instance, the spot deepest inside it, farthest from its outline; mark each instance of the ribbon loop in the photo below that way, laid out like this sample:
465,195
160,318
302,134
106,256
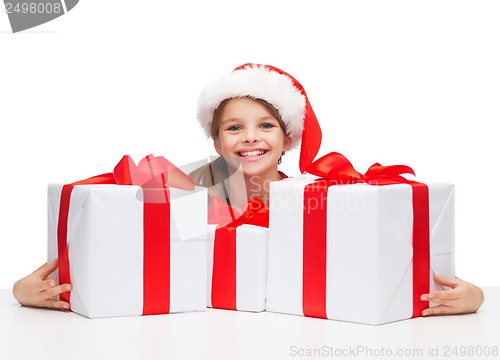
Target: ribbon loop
151,172
377,171
255,212
335,167
221,213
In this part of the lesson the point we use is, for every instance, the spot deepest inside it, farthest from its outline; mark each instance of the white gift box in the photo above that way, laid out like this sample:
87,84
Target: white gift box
369,248
251,267
105,248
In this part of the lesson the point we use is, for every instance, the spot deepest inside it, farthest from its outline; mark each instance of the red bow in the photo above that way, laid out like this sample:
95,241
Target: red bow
255,212
151,172
335,166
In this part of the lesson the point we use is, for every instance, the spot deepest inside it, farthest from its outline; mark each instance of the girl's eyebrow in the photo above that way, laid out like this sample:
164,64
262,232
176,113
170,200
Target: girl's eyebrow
236,119
229,120
268,117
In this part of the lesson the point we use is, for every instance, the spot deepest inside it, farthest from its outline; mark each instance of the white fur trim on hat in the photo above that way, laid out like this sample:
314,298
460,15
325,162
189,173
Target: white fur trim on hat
260,82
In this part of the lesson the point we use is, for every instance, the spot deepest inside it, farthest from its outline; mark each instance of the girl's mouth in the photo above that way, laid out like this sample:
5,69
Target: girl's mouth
252,153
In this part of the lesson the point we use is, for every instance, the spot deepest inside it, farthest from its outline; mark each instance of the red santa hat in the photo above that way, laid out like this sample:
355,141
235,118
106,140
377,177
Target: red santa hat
276,87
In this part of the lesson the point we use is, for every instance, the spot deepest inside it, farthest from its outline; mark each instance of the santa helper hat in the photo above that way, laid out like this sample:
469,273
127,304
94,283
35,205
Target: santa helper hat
278,88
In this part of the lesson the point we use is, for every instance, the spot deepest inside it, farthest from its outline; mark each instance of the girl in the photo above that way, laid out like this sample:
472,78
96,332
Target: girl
253,115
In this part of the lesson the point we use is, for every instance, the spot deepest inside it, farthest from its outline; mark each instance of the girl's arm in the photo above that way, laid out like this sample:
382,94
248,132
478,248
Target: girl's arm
38,291
461,298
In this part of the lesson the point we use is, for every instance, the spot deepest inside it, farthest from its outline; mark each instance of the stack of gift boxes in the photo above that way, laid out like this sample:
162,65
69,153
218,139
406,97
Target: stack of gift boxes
335,245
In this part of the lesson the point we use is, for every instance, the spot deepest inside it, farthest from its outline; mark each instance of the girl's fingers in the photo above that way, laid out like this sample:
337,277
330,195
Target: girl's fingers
46,269
444,302
450,282
57,304
45,284
443,295
437,310
57,290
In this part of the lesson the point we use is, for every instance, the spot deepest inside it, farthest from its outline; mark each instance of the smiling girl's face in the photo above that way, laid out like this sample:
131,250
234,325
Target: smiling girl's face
250,137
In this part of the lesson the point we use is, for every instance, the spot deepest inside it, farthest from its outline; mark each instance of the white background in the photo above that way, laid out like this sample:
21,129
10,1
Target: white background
395,82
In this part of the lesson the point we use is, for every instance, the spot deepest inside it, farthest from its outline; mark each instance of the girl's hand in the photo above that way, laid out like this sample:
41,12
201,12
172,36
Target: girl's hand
462,298
37,291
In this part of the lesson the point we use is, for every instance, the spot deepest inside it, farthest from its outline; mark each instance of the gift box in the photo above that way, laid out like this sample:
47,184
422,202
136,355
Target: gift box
358,248
237,257
130,249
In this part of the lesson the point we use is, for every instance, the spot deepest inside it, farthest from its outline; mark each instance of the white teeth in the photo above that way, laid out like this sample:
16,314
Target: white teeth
252,153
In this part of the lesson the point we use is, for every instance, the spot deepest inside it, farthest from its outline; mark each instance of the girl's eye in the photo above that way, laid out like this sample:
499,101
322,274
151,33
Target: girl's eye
267,126
234,128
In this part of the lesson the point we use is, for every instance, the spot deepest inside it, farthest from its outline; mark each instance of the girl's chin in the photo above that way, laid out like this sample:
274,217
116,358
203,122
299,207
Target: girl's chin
255,169
255,166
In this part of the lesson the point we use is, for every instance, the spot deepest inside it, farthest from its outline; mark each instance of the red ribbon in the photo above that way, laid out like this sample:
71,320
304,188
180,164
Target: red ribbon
153,174
335,169
224,259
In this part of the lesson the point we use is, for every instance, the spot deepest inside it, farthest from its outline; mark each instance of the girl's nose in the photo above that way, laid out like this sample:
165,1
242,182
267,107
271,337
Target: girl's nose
251,136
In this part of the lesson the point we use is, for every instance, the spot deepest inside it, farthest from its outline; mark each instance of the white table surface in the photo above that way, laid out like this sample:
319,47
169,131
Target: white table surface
28,333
